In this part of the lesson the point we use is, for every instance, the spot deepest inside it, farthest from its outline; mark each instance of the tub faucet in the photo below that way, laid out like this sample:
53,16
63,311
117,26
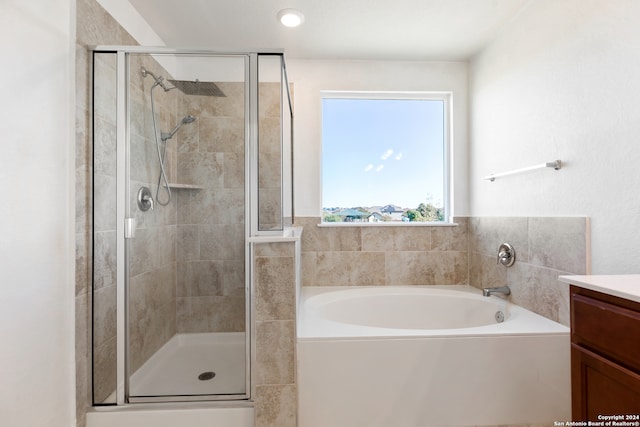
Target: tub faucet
487,292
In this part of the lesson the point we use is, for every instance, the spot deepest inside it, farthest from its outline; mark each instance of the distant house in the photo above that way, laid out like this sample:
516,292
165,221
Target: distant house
375,217
391,209
352,215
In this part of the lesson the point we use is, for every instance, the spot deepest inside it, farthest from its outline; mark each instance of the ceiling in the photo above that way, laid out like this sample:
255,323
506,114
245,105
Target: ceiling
335,29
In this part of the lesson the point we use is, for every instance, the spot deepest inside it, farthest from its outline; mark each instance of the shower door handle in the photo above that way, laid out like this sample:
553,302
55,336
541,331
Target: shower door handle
129,228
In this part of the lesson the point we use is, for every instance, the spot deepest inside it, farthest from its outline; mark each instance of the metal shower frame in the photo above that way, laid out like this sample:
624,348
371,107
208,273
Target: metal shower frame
125,225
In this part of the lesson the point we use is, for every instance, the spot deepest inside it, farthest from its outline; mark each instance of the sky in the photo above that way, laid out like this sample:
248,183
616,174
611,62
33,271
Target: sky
382,151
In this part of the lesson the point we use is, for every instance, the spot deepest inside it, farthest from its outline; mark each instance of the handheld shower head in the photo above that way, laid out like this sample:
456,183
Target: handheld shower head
185,120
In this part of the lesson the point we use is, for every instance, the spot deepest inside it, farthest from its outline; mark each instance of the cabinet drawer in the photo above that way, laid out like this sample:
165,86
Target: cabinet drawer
607,329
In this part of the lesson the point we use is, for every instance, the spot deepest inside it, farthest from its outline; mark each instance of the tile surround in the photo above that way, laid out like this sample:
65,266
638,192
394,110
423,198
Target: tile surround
276,406
427,268
558,243
546,247
352,256
275,385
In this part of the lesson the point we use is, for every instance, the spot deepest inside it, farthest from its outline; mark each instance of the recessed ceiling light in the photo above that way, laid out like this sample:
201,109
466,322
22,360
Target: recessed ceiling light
290,17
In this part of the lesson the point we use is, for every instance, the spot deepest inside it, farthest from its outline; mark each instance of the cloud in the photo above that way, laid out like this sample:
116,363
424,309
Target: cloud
379,168
386,154
368,168
398,156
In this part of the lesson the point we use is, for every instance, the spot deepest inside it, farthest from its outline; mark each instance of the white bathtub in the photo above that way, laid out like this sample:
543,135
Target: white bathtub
427,356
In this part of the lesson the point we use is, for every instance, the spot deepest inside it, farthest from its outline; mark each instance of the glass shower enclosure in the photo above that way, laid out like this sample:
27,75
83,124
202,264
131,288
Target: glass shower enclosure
192,156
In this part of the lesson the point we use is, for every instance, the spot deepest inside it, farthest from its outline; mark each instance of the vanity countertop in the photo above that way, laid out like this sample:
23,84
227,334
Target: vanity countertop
625,286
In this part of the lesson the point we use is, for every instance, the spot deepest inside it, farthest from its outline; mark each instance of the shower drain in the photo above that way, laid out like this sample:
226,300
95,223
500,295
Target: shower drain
206,376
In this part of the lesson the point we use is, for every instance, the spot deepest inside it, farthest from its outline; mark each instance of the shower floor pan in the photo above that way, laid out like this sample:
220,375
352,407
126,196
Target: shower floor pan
193,365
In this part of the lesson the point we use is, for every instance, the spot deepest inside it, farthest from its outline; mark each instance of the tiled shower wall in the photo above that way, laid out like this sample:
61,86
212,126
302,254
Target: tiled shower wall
209,295
152,290
152,274
94,26
211,220
211,225
270,157
445,255
104,237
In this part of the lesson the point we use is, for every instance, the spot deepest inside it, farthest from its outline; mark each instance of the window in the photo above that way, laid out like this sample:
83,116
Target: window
384,157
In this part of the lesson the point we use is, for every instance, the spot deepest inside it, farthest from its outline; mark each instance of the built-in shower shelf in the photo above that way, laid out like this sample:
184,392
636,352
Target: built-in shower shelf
185,186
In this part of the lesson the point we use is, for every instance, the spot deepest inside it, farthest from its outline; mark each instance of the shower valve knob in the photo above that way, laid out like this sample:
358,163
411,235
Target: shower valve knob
145,200
148,200
506,255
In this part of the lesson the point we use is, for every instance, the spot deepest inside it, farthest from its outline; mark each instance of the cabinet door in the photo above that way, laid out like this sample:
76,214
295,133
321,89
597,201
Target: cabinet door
600,387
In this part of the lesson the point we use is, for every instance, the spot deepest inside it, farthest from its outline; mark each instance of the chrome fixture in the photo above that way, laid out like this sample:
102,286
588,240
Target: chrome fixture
185,120
196,87
506,255
162,136
145,201
504,290
187,87
159,80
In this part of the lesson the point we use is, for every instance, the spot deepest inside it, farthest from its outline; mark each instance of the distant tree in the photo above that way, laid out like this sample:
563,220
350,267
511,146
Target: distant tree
332,218
430,212
414,215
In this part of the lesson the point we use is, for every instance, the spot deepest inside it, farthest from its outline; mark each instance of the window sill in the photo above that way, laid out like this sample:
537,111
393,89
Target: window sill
386,224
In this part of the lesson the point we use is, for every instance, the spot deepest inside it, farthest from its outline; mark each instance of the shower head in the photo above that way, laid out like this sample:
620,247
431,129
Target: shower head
185,120
197,87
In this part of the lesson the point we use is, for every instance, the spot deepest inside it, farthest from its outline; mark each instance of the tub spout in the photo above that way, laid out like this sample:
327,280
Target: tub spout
487,292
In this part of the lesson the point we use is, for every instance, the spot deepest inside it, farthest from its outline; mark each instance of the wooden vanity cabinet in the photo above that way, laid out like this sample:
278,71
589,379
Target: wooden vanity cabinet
605,355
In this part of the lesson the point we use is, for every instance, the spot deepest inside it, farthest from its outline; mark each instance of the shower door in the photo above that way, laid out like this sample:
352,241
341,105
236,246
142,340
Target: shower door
192,158
171,292
187,293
